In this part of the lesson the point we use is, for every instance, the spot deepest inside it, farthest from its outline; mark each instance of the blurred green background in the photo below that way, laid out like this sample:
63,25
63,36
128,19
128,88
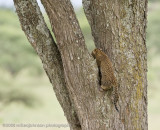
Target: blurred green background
26,96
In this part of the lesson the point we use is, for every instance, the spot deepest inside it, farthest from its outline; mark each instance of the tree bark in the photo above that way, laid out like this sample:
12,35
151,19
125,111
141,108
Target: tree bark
118,27
39,36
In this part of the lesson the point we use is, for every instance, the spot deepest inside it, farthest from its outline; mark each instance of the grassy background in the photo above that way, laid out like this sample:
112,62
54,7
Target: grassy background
26,96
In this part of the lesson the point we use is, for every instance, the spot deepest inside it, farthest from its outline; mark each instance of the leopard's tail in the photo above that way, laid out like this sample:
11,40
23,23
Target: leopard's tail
115,96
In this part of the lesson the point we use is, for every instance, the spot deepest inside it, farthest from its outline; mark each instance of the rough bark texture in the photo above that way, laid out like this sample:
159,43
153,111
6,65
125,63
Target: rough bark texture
118,27
79,67
34,26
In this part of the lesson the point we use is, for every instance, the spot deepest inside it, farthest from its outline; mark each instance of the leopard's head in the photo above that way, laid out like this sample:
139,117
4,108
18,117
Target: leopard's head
97,53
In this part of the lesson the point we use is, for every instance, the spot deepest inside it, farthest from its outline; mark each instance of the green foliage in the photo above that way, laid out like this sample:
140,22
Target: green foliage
13,95
85,29
153,46
153,0
153,31
15,51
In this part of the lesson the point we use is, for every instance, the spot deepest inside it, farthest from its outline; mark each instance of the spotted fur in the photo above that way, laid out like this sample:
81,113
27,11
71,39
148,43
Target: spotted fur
108,79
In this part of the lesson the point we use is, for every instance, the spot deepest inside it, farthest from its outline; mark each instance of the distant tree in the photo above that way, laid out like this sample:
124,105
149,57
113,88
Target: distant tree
154,0
118,28
14,47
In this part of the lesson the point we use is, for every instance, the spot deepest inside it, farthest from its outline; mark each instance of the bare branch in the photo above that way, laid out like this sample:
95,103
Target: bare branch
34,26
103,16
80,69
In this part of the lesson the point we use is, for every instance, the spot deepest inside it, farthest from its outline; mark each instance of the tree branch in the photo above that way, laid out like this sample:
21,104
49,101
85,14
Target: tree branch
80,70
103,17
35,28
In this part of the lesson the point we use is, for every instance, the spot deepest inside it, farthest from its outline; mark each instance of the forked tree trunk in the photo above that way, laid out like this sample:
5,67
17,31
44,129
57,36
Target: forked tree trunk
118,27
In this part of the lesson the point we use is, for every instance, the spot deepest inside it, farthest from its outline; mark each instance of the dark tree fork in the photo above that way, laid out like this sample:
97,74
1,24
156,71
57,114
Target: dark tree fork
118,27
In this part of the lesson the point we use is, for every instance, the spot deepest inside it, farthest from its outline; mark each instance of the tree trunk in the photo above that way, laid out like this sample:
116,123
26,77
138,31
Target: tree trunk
118,28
